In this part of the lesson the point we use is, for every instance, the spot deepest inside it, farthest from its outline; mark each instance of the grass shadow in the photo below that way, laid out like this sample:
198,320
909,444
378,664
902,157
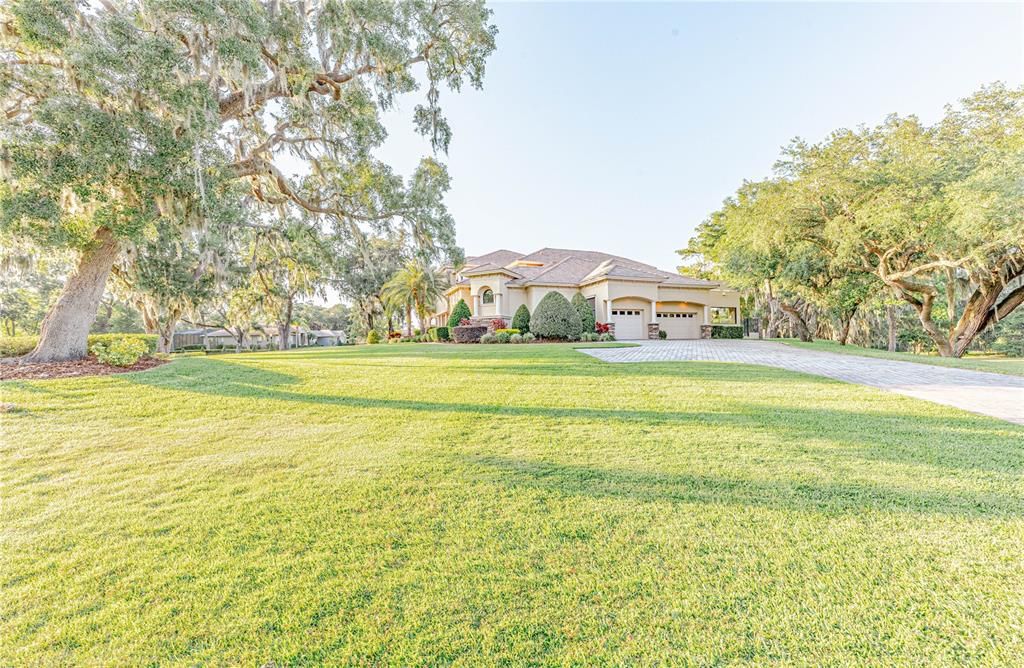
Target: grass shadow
777,494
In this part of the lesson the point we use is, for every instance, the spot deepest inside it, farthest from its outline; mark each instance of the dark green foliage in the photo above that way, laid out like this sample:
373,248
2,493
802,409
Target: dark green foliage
726,331
459,313
586,311
521,319
555,318
662,334
503,337
14,346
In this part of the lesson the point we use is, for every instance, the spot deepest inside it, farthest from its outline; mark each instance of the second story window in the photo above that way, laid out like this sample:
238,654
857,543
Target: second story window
488,296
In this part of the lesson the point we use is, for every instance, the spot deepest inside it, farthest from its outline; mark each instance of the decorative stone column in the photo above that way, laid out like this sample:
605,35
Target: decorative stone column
652,330
497,305
654,312
476,304
705,331
707,320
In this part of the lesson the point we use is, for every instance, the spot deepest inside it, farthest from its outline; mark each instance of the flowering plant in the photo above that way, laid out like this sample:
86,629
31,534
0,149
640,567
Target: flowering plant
498,323
464,322
602,327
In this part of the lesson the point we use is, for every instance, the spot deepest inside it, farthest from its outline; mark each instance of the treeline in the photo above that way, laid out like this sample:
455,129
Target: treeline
904,233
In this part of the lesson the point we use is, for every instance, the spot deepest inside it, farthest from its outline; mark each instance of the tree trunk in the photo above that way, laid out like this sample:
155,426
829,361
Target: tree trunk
890,317
844,329
285,327
65,329
408,320
803,329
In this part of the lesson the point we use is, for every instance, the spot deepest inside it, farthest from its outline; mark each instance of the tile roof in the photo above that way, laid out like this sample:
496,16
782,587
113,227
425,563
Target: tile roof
563,266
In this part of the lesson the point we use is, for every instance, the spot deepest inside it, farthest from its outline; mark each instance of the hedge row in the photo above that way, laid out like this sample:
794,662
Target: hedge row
14,346
726,331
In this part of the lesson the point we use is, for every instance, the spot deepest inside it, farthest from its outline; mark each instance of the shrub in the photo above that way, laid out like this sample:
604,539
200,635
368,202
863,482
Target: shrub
726,331
607,336
662,334
120,352
586,311
498,323
147,340
528,337
602,327
14,346
515,338
416,332
459,313
588,336
507,331
442,334
468,333
555,318
503,337
521,319
489,338
373,337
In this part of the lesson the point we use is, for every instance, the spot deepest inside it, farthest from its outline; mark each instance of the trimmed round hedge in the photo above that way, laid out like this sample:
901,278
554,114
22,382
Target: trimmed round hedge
586,311
555,318
521,319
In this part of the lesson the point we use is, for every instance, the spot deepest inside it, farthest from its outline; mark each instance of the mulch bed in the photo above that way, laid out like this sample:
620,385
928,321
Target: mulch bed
88,366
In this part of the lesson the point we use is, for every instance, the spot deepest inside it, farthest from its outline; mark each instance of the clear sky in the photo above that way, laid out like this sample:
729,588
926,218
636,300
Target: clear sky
620,127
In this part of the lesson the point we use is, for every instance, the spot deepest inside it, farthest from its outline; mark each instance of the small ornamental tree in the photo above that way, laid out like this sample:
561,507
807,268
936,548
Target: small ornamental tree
555,318
586,311
521,319
459,313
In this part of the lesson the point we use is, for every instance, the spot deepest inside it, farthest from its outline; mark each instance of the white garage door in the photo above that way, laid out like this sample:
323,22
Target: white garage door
629,324
679,325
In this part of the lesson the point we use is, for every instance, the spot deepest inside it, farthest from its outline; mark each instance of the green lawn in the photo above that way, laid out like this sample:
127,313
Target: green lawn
1012,366
480,505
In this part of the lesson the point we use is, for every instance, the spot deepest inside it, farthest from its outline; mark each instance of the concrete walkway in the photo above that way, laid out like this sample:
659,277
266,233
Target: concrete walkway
992,394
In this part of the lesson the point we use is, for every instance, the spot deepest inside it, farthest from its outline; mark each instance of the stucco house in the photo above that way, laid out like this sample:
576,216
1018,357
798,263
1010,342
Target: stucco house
637,299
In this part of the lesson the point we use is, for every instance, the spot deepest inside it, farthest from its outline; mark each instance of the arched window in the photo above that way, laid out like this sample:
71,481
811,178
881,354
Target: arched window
488,296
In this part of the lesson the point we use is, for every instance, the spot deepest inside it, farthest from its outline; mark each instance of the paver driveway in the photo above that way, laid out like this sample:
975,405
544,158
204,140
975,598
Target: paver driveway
987,393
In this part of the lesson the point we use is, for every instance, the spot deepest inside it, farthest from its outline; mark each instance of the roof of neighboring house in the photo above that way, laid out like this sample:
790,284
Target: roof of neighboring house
323,332
220,333
564,266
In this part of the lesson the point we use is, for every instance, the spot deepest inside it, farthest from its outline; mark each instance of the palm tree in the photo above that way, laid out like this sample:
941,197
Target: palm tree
416,286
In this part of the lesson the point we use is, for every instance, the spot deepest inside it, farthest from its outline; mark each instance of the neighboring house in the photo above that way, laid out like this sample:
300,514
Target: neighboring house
637,299
327,337
188,337
297,336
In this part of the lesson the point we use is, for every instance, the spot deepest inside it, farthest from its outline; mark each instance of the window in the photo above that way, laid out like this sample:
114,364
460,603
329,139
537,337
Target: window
676,315
487,296
723,315
625,312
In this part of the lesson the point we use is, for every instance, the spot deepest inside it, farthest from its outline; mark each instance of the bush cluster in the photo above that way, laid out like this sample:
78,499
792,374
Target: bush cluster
588,336
555,318
373,337
662,334
507,330
459,313
607,336
439,334
119,352
14,346
726,331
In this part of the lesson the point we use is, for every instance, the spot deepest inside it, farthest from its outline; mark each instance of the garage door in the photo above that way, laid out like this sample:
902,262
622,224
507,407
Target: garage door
629,324
679,325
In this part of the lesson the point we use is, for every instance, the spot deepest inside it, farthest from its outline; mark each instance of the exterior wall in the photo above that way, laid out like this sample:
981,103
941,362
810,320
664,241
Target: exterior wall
535,293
